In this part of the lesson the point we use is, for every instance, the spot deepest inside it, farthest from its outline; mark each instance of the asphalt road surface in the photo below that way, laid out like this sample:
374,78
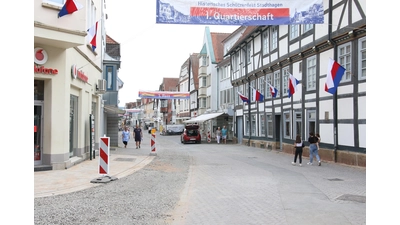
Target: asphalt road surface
215,184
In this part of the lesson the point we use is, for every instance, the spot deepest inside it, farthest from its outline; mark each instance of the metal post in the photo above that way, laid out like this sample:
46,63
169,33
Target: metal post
249,108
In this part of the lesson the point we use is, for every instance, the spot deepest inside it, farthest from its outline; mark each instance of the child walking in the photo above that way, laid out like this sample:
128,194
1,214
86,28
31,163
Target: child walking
298,145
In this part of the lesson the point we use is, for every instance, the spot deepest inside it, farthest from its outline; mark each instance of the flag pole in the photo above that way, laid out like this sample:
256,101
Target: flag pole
335,97
249,108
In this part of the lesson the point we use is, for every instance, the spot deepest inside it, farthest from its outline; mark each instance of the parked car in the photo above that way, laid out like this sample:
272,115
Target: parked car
191,134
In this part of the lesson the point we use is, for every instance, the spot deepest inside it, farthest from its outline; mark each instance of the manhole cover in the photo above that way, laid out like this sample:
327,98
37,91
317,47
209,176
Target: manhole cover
125,159
354,198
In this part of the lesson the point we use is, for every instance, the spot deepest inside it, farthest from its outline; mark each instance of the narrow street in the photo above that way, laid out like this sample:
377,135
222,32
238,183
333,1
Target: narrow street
215,184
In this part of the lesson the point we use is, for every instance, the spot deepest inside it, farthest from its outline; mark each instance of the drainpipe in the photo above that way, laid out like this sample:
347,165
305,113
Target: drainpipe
335,97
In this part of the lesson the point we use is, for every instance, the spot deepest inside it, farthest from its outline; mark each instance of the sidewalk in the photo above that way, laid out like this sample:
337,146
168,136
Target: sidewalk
122,162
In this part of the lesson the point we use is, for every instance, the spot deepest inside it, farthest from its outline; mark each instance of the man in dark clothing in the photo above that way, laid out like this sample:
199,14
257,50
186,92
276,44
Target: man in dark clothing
138,135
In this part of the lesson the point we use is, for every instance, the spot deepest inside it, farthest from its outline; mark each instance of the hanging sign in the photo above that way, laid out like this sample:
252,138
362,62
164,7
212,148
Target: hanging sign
240,12
164,94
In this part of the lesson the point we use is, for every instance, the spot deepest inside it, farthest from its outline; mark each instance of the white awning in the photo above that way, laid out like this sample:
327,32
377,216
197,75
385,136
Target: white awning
203,118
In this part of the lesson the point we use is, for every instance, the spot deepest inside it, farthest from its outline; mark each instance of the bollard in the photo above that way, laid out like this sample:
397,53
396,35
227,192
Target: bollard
104,155
153,142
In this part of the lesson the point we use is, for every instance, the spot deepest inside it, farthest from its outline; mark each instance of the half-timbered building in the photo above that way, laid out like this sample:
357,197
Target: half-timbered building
266,56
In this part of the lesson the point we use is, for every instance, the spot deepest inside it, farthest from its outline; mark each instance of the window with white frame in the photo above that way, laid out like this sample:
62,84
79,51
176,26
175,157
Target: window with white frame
244,90
262,125
270,126
344,59
307,27
265,37
294,31
203,103
274,42
248,52
285,81
91,14
298,128
261,85
207,60
225,96
110,77
253,124
287,125
252,84
244,55
237,98
203,82
311,121
237,58
311,73
233,61
55,2
208,102
269,81
362,57
225,72
277,82
203,61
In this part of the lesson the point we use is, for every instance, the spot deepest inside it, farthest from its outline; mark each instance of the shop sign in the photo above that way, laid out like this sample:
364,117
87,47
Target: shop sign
78,74
44,70
40,57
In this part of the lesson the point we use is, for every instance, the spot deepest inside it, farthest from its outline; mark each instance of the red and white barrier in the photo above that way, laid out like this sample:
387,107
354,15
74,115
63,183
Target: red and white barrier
208,137
104,155
153,144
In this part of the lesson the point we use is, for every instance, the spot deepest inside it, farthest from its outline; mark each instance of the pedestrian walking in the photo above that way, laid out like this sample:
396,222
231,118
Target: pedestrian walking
224,132
126,135
138,135
298,145
313,140
218,134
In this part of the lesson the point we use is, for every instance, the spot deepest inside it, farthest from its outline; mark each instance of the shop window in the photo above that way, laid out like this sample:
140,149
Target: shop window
38,90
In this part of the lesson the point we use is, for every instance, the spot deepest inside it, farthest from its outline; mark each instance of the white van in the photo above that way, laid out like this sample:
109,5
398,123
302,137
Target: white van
174,129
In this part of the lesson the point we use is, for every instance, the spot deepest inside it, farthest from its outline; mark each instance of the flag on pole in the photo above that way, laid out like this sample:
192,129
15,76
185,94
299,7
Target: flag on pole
334,76
69,7
257,95
244,98
92,32
273,90
293,82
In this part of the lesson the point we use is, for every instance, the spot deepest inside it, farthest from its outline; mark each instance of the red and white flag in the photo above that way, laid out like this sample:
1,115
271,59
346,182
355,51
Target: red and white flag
91,35
244,98
334,76
257,95
70,7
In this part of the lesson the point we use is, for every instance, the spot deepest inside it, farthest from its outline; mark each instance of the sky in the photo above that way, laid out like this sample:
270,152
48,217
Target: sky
150,51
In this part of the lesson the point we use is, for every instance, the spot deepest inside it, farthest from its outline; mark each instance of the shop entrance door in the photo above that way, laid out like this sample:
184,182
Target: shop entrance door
38,132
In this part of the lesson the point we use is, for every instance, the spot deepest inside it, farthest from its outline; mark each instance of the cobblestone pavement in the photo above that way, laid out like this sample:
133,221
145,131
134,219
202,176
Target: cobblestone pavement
214,184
